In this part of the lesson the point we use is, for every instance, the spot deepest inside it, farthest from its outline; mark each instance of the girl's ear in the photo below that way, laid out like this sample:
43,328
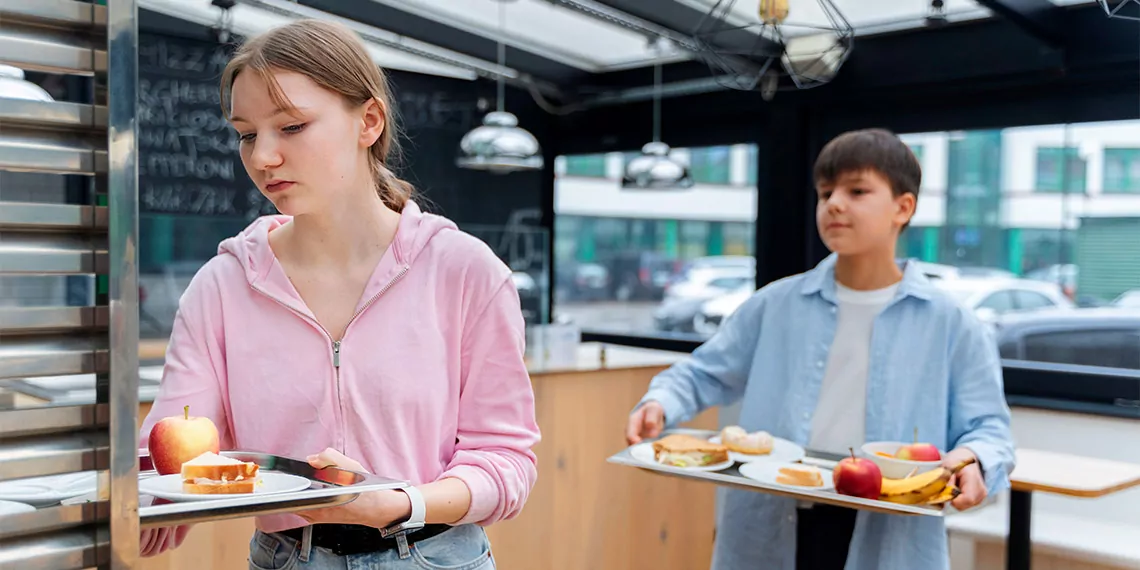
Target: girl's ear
373,117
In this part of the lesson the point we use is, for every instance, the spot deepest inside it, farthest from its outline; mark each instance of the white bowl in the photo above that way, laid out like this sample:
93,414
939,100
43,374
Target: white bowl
894,468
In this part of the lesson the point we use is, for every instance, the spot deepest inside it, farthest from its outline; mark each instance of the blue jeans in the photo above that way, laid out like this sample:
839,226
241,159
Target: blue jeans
462,548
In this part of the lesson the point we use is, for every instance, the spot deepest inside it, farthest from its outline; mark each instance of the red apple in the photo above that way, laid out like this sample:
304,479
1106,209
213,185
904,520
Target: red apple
918,451
857,477
178,439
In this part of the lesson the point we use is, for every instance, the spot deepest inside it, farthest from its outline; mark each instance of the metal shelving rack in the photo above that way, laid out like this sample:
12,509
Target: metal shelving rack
95,140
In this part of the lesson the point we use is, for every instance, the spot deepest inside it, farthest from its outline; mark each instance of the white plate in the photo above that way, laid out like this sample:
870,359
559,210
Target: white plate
644,452
46,491
766,472
14,508
782,450
170,487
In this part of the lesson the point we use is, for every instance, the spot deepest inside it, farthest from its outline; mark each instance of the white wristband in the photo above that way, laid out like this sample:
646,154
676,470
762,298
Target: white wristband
414,522
419,509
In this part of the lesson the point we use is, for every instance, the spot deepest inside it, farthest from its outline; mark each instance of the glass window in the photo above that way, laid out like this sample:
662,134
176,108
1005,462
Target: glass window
1040,218
710,165
1001,302
1030,300
1122,170
1112,348
589,165
1060,169
636,261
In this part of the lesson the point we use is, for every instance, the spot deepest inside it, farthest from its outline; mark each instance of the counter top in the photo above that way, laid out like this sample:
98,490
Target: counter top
594,356
66,390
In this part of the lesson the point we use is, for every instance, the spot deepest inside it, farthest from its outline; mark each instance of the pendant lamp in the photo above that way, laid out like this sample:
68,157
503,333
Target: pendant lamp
654,168
1123,9
499,145
14,86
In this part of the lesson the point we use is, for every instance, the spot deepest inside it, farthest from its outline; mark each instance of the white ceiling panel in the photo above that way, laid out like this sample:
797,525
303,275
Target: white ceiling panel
250,21
866,16
537,26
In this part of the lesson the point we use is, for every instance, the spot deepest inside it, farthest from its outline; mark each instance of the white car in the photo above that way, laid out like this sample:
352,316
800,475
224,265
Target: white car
709,282
715,311
992,298
988,298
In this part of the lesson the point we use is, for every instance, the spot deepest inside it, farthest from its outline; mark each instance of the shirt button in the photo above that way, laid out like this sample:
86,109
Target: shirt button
833,309
819,364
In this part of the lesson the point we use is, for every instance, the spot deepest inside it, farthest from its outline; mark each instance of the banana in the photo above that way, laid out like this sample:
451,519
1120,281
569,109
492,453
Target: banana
949,493
919,489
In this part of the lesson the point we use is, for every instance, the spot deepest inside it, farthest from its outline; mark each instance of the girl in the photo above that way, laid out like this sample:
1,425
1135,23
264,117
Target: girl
352,329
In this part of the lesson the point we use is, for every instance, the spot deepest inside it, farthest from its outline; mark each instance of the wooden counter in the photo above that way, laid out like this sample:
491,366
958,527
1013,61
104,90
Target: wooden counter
583,512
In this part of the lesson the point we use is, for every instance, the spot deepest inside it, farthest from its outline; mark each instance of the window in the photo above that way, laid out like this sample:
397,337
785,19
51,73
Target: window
1030,300
1111,348
1122,170
644,261
1000,302
710,165
1044,219
588,165
1060,169
917,149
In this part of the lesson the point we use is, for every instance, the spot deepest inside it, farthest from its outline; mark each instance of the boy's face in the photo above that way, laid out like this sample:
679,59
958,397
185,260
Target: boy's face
858,213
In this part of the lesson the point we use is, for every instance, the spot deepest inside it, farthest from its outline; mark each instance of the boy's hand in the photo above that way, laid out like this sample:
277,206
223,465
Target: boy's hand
969,480
646,421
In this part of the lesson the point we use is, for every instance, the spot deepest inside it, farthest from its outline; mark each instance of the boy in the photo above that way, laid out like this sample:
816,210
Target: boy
861,348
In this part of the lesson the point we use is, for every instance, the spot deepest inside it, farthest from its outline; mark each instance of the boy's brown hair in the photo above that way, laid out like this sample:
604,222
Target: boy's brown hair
870,149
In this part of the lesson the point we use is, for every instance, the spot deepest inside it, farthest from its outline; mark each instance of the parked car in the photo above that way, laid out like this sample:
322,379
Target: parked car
581,281
639,275
1128,300
992,298
1063,275
1092,337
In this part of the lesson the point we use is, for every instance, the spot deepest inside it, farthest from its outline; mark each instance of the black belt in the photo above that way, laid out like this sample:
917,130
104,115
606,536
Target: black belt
346,539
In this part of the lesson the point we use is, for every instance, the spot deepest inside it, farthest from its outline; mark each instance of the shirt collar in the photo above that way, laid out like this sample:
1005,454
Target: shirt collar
821,281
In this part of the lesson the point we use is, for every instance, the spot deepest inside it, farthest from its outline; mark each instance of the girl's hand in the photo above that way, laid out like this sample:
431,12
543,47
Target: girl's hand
377,509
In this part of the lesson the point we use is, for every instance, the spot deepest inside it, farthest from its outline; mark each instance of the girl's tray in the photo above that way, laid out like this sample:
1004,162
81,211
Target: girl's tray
731,477
327,487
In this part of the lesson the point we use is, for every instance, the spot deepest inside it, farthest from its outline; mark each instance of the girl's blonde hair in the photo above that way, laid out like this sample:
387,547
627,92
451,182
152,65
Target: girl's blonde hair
334,57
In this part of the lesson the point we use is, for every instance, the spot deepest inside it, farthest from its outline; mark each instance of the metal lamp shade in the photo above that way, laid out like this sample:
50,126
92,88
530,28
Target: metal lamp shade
14,86
500,145
655,169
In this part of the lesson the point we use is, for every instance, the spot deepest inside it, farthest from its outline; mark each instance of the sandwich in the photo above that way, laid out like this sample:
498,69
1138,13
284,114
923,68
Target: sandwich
681,450
735,438
213,474
800,476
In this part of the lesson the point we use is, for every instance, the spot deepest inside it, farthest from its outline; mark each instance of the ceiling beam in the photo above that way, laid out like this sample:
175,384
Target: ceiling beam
1040,19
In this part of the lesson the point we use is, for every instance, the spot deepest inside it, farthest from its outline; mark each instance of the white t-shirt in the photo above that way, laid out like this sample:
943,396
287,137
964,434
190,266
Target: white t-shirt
838,422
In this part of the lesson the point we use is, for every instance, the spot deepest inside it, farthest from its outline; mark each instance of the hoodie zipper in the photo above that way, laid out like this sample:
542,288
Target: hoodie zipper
336,343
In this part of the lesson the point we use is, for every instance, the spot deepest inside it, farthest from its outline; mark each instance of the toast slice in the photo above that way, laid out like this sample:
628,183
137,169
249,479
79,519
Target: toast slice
215,487
800,476
680,450
211,473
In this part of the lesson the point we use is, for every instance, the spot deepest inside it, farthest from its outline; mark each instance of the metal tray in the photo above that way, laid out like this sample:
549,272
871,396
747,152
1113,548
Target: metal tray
330,487
731,477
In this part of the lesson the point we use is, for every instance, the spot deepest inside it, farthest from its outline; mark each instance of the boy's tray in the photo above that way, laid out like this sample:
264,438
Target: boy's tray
328,487
731,477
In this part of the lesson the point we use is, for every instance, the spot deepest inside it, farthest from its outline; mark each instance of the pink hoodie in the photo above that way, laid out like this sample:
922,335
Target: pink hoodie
428,382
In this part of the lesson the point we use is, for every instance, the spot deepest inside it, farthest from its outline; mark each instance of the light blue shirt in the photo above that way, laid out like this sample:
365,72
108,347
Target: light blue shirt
933,366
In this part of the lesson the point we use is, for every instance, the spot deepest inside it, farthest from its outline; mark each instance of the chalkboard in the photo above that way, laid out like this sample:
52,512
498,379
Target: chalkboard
188,154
